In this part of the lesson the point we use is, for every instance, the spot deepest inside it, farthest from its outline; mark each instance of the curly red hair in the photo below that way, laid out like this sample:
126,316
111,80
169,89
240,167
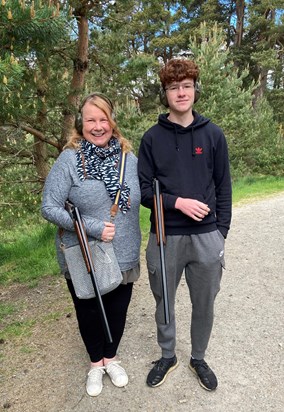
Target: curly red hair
176,70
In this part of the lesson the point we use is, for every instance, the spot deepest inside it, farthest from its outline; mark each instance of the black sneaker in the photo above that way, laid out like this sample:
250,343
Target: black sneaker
160,371
206,376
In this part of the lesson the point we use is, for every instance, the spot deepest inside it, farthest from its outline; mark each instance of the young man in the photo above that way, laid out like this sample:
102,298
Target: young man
188,155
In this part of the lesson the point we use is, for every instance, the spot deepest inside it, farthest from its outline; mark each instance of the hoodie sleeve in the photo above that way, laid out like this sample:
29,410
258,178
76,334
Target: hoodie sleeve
223,187
147,171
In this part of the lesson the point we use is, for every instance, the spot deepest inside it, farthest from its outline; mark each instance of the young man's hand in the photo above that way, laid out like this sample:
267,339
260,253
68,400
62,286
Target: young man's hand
193,208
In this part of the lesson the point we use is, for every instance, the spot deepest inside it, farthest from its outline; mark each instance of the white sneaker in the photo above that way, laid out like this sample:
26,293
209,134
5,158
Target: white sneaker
117,374
94,383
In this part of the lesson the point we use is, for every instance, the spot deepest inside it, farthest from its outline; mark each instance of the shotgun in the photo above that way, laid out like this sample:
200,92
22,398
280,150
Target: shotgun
161,241
85,248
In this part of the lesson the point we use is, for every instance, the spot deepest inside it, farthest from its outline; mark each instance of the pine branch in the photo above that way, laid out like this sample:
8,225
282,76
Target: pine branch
15,152
36,133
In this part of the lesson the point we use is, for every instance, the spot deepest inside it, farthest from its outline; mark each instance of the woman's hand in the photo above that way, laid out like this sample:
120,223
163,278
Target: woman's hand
108,232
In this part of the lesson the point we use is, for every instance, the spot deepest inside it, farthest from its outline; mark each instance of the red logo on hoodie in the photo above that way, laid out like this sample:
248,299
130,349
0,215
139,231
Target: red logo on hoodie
198,150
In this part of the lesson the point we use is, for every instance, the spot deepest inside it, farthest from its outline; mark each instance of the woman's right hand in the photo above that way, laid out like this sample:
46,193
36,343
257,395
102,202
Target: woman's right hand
108,232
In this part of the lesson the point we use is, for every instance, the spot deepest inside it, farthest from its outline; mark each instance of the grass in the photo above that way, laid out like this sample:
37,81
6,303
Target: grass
5,310
17,329
252,188
22,328
144,223
28,254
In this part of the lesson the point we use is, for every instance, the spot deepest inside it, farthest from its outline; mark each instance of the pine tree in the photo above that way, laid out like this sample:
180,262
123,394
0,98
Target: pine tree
230,105
30,34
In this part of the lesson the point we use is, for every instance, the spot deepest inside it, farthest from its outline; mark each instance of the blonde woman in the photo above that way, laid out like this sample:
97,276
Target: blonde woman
86,173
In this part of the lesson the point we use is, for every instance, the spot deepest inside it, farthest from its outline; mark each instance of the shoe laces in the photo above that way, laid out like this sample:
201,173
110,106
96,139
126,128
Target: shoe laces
200,364
160,363
115,369
96,372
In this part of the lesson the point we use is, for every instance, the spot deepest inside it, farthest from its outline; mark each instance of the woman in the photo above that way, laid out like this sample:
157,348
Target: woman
86,173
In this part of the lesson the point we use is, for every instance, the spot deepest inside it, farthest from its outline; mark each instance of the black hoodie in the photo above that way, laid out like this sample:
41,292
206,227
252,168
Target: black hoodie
189,162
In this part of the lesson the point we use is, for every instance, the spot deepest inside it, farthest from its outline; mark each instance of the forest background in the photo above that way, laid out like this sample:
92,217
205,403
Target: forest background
55,52
52,53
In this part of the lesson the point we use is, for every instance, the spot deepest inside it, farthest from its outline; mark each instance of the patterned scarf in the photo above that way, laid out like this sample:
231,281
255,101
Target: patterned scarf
99,163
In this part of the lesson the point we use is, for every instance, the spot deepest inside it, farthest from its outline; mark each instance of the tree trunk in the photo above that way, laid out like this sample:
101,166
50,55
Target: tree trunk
40,157
269,14
80,67
240,11
40,151
259,91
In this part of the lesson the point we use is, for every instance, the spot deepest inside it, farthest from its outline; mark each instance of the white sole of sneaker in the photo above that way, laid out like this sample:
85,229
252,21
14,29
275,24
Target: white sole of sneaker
120,385
94,394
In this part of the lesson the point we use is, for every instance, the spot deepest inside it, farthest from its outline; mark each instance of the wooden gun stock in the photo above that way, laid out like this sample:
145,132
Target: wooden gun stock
86,252
81,243
161,241
157,220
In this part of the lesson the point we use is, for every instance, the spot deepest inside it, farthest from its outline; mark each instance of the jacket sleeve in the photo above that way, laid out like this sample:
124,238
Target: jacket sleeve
56,191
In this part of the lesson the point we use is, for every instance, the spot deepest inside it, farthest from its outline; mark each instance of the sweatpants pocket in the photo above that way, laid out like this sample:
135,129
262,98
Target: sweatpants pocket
154,279
222,248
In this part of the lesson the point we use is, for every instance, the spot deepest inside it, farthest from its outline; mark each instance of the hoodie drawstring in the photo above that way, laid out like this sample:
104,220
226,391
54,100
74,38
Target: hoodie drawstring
176,139
192,142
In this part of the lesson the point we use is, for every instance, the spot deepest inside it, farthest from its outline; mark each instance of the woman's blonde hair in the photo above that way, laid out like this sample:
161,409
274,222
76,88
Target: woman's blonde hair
104,104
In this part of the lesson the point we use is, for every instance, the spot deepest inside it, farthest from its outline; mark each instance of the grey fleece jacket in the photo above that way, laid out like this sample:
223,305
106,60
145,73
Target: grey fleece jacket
91,197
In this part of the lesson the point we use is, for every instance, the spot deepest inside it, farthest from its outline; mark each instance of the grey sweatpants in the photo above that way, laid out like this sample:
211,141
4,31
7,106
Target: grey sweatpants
201,257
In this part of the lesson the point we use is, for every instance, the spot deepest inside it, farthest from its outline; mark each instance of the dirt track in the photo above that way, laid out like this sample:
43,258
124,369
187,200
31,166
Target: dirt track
46,370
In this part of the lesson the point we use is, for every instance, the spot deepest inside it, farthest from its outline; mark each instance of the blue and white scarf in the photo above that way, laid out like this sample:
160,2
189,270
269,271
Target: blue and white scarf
99,163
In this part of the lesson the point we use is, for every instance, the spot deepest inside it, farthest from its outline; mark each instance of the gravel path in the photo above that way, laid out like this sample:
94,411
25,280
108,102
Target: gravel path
45,371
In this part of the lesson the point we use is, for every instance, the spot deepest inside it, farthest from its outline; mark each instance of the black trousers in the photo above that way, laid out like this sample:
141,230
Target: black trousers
116,304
